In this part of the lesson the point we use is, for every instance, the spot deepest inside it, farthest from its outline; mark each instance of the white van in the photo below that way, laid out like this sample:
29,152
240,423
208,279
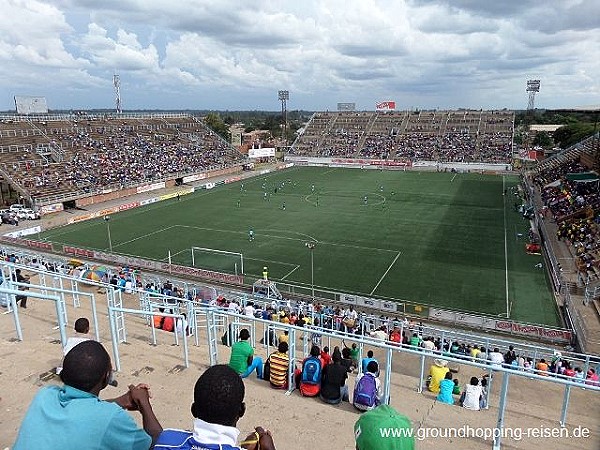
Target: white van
17,207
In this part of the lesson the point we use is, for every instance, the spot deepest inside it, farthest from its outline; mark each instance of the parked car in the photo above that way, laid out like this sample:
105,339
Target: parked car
27,213
17,207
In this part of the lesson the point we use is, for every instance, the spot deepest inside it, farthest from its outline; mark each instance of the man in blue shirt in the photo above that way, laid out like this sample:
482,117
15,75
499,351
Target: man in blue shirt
218,405
365,361
72,416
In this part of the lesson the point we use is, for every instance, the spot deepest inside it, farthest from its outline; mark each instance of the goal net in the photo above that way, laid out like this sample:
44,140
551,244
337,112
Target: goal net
217,260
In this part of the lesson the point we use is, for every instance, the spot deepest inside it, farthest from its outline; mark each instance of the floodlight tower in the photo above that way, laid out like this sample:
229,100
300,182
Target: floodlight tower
284,96
533,87
117,85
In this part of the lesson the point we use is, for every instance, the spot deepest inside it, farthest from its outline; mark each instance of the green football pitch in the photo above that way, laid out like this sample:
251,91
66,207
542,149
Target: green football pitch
451,240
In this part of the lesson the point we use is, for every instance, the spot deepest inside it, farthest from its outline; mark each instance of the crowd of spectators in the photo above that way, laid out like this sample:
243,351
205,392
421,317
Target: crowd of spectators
121,154
444,136
572,205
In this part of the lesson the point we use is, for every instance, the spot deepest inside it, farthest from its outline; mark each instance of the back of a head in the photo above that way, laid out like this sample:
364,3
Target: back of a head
372,367
85,365
315,350
82,325
219,396
474,381
283,347
370,354
368,430
336,355
244,334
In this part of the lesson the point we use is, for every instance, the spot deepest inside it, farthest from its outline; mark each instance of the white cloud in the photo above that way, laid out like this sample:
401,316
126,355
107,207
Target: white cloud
212,54
121,53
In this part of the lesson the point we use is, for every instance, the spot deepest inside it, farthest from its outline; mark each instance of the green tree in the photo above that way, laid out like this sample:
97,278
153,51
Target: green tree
573,133
543,139
216,123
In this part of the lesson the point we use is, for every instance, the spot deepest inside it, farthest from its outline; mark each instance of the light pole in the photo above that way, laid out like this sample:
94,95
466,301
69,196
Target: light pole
283,97
107,220
311,247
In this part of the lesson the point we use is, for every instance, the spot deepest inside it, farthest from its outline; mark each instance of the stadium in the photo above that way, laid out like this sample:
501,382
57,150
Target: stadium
291,225
418,220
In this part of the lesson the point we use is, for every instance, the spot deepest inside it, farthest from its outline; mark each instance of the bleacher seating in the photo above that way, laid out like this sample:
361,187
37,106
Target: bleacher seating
66,154
445,136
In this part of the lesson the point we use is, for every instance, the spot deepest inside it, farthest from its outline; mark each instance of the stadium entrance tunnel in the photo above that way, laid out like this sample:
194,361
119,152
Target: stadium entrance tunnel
69,205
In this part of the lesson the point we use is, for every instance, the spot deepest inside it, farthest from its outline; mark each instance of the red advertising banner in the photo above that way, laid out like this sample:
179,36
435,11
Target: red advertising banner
125,206
74,251
201,273
533,330
388,105
28,243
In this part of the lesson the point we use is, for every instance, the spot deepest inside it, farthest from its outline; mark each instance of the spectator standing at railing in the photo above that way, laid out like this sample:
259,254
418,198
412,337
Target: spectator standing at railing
20,278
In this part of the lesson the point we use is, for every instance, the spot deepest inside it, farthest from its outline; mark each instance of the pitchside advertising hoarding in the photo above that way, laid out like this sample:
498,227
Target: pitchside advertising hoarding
387,105
261,152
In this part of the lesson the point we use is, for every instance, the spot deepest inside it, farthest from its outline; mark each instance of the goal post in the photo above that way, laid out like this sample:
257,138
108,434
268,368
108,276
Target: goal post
238,258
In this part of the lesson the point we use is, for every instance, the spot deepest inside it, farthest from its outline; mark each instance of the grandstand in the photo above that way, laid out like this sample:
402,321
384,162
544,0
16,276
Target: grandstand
444,136
53,159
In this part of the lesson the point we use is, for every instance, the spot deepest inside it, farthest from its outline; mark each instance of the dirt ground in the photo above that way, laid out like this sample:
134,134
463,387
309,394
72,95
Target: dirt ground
296,422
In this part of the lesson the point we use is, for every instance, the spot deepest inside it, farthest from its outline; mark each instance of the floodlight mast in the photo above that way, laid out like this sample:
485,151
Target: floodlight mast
117,85
533,87
284,96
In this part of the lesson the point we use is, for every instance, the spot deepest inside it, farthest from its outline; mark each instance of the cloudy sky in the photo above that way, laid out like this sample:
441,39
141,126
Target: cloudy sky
226,54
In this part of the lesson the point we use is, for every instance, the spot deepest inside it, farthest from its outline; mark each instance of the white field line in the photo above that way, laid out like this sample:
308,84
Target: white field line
453,178
386,272
288,238
290,272
144,236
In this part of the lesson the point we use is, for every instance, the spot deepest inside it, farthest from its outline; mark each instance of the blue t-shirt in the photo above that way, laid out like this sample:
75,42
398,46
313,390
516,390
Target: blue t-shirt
184,440
445,395
67,418
365,362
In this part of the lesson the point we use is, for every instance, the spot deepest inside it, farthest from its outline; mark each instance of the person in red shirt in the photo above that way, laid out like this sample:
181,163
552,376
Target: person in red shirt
395,336
569,372
325,356
168,324
158,320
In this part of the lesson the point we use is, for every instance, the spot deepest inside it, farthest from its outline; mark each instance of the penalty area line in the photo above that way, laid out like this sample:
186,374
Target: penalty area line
386,272
290,272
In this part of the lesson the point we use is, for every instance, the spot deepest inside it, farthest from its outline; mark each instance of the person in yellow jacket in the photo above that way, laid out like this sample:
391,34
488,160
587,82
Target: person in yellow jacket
437,372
